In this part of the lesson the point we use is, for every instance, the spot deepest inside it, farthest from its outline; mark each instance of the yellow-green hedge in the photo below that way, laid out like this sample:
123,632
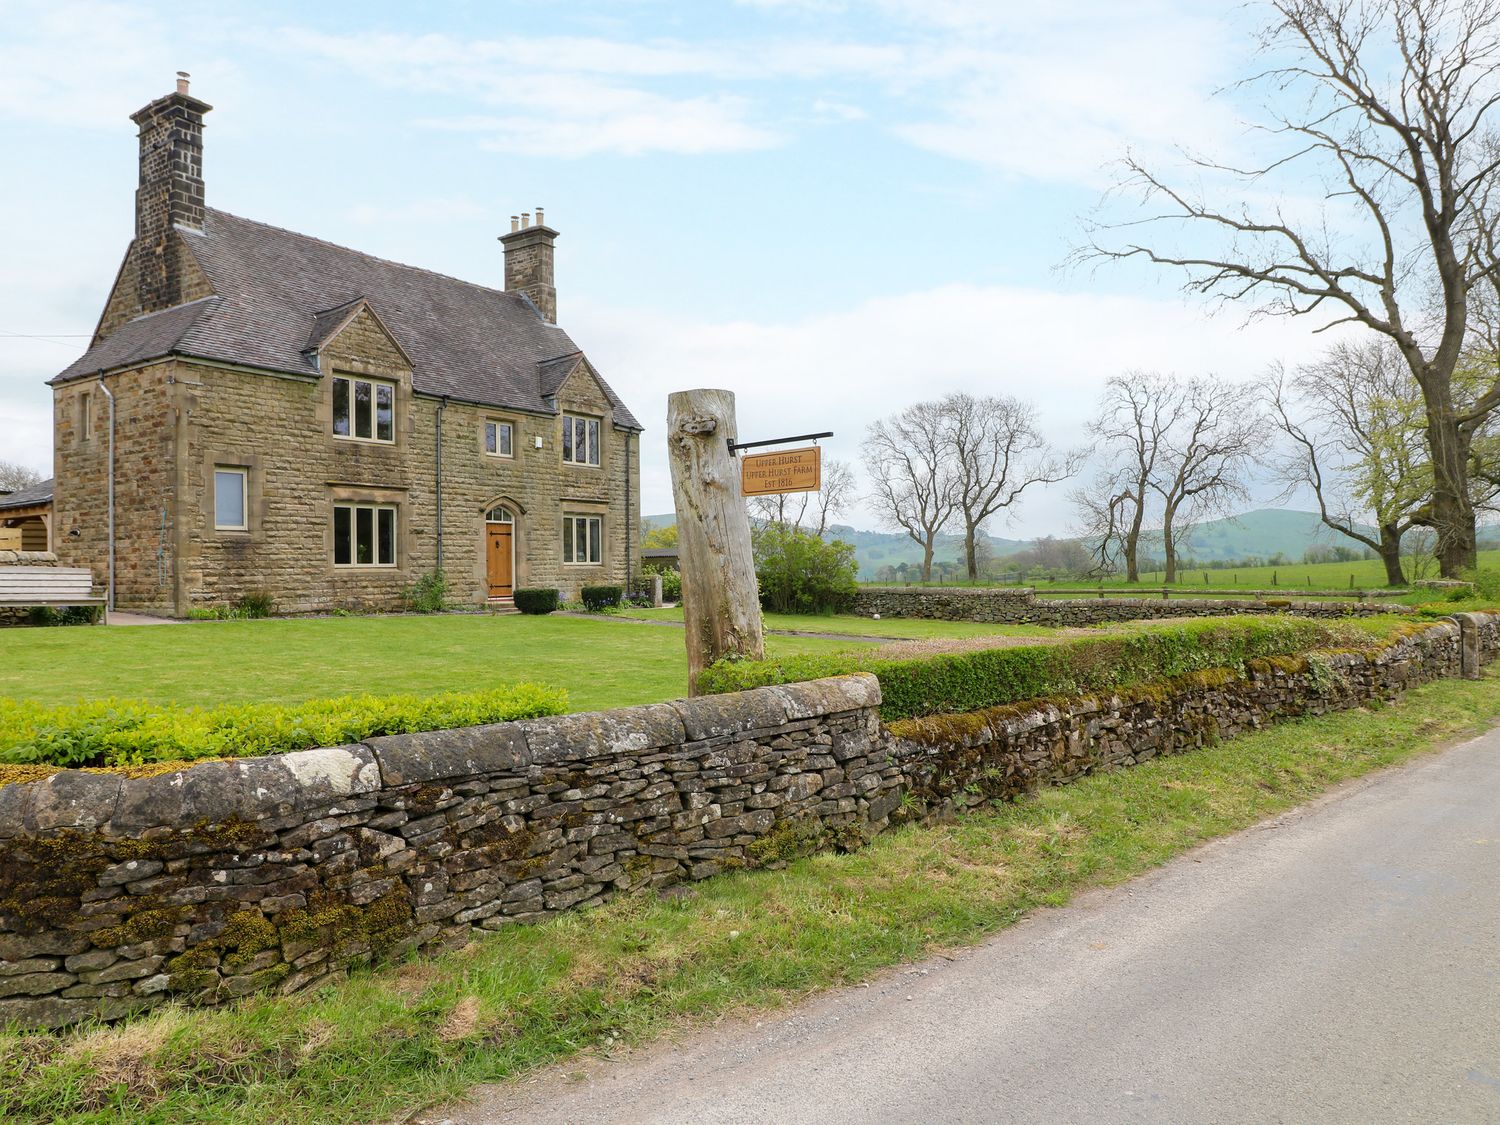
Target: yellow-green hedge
119,732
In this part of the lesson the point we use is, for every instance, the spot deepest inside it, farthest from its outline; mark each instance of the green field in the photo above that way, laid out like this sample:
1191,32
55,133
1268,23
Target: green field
602,662
1365,574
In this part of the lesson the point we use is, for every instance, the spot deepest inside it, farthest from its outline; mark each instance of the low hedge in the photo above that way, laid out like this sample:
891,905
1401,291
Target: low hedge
971,681
122,732
596,598
536,599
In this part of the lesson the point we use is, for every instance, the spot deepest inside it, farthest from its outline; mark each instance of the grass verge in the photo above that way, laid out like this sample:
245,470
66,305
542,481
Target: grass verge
424,1032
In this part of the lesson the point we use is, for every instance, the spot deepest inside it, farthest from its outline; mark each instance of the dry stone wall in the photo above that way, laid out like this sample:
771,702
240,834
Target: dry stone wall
1021,606
283,872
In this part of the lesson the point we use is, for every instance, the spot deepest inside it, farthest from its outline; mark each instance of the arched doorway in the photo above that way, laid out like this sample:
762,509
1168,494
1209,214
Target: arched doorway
500,551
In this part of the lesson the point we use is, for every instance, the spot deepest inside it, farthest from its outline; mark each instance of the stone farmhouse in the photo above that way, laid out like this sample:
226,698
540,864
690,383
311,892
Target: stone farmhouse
260,411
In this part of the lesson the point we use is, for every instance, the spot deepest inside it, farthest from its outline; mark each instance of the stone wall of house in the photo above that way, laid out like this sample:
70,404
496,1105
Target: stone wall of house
283,872
145,473
1021,606
177,421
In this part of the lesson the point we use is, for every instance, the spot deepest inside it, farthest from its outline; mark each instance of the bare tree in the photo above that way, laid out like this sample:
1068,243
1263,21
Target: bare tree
912,485
1138,411
1394,100
14,476
810,511
1352,422
997,452
1203,459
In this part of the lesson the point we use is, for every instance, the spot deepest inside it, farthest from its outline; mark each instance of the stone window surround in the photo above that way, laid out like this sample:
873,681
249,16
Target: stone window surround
219,458
567,416
499,420
584,509
376,511
243,475
351,377
381,496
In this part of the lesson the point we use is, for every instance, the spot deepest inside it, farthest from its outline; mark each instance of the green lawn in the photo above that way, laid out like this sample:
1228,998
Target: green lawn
602,662
849,624
387,1043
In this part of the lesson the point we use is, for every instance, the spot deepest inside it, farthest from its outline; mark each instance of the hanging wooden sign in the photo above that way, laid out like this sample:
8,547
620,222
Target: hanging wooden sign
790,470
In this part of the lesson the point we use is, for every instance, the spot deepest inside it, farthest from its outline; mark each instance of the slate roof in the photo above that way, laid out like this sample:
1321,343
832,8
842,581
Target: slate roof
28,497
276,292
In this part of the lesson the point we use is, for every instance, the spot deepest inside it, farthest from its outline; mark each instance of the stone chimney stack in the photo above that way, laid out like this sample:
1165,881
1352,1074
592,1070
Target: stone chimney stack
528,262
170,192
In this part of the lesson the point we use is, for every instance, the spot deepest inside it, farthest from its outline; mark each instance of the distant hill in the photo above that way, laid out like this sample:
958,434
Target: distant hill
1262,534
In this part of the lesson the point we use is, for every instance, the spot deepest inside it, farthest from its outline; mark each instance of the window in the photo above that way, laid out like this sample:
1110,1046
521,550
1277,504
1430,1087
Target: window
364,409
582,536
498,438
85,416
230,489
580,440
499,515
364,535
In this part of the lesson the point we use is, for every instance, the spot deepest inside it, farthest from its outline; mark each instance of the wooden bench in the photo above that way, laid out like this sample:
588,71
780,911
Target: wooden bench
54,586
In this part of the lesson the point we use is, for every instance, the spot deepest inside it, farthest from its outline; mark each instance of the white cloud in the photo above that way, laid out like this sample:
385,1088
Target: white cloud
1042,93
842,370
628,122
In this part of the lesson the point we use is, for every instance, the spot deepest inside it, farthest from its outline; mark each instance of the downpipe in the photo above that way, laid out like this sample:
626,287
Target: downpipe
110,487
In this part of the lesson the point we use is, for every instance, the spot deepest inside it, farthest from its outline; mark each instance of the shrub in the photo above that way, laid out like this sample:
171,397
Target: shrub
536,599
46,615
799,573
256,603
596,598
128,732
428,594
971,681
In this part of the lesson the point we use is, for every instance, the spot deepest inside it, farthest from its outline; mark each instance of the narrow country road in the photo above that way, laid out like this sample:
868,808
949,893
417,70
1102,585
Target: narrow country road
1339,964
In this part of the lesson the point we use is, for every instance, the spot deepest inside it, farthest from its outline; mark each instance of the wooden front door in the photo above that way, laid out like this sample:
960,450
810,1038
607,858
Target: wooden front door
499,560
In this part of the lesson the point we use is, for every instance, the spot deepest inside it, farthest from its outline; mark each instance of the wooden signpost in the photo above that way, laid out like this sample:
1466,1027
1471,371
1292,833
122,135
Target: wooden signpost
720,600
791,470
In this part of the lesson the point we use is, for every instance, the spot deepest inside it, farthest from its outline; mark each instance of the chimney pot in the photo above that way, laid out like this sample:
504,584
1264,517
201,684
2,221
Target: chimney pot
528,262
182,81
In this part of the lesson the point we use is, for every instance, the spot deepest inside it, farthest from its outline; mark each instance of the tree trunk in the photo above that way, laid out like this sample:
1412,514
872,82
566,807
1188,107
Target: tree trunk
1390,555
720,604
971,559
927,560
1133,539
1169,549
1132,552
1452,509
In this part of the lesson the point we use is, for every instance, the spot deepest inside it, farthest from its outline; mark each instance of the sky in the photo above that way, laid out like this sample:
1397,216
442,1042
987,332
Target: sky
831,207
